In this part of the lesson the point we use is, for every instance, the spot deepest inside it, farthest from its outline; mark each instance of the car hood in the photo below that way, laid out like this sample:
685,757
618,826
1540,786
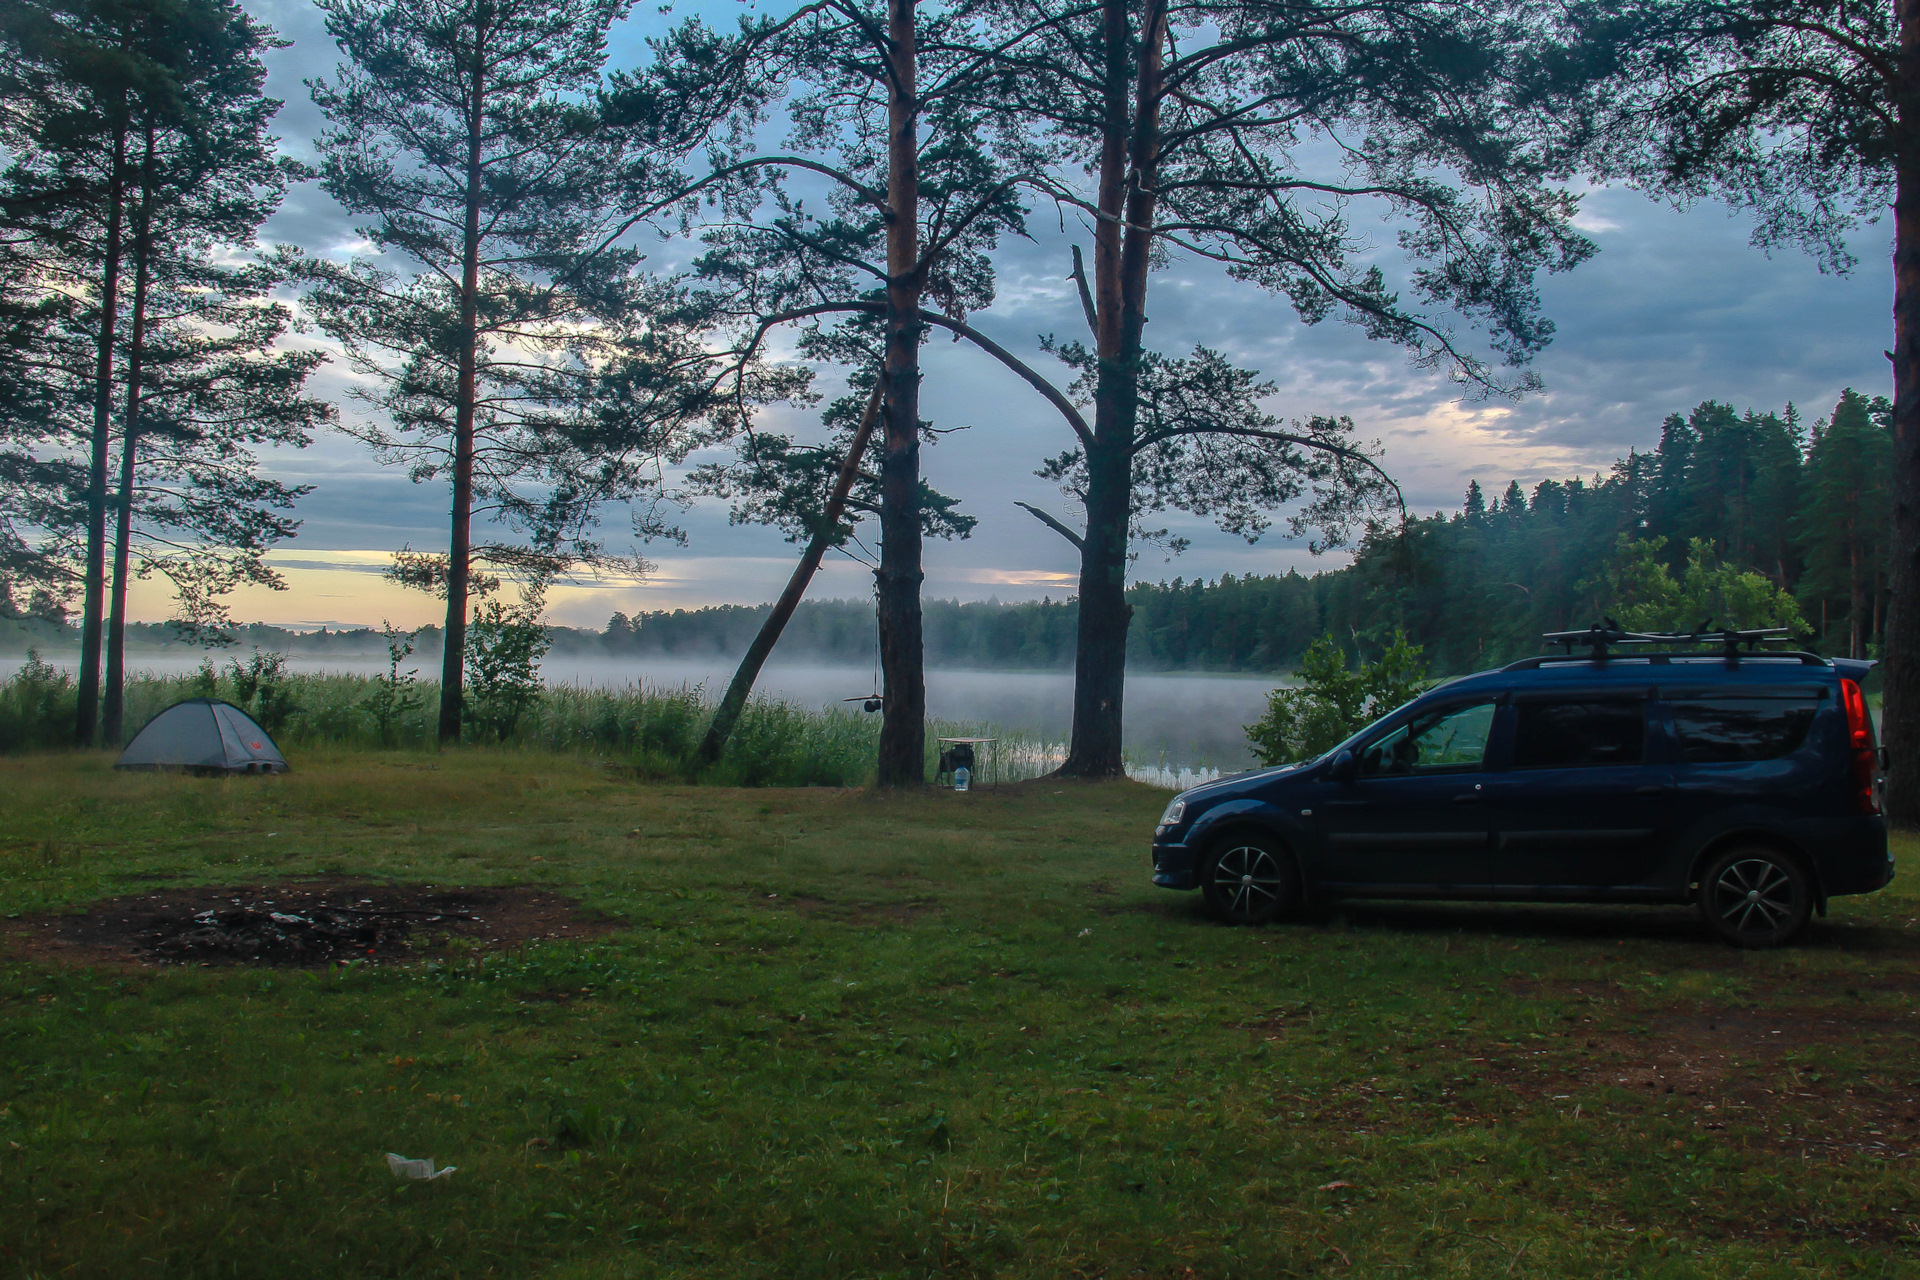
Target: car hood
1235,783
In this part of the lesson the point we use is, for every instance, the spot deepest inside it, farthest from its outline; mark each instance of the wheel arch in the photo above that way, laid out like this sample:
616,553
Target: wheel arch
1285,843
1772,839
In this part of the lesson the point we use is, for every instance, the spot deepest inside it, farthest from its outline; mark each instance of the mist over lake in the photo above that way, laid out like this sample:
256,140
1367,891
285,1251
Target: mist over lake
1186,718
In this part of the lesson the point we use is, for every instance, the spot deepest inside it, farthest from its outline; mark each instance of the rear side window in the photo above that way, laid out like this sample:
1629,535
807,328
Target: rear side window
1572,733
1726,730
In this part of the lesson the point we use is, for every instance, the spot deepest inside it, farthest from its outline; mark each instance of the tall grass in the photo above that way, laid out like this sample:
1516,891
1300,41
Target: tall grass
650,729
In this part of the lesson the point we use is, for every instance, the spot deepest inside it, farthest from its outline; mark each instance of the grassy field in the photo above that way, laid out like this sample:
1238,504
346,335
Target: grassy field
842,1035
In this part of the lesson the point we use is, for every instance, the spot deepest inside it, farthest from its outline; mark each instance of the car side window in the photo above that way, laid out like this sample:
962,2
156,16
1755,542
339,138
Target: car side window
1728,730
1444,740
1568,733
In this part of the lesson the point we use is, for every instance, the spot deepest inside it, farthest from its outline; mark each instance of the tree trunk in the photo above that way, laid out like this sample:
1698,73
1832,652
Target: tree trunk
727,714
903,728
113,712
87,715
1856,606
1129,160
466,395
1902,707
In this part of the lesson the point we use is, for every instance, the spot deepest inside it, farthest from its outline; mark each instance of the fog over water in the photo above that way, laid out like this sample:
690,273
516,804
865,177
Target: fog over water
1181,718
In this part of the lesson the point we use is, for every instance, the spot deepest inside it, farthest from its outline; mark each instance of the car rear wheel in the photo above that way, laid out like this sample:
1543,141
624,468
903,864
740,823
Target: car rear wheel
1247,879
1754,896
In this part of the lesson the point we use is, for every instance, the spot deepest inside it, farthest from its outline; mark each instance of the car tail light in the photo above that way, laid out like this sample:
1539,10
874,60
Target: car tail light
1860,737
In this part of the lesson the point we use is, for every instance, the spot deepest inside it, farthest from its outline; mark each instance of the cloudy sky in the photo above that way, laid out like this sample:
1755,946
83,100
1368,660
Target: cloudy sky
1676,308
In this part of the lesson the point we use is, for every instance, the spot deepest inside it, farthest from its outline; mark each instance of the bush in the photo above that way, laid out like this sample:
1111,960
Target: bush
504,648
261,688
1332,703
1641,593
37,707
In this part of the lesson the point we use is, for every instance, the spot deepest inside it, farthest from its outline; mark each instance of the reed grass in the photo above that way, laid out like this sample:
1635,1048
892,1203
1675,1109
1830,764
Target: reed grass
651,729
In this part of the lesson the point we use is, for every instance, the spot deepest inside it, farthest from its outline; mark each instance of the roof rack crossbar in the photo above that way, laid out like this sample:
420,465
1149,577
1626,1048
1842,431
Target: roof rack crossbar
1605,634
1664,656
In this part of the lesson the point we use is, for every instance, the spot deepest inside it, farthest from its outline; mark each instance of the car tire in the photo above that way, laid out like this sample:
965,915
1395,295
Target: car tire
1756,896
1248,879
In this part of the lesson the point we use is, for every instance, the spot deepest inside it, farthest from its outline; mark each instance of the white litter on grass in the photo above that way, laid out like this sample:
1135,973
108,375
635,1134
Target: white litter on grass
417,1169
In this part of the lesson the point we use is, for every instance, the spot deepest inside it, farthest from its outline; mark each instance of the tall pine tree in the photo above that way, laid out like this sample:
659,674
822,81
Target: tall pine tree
518,356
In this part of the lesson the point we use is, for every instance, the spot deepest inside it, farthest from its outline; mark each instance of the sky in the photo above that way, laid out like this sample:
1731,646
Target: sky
1675,308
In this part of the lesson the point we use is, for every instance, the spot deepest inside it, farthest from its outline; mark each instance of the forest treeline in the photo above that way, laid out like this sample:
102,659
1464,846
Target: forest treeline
1803,507
1806,508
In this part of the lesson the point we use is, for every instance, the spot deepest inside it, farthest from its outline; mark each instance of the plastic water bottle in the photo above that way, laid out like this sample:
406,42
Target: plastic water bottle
961,777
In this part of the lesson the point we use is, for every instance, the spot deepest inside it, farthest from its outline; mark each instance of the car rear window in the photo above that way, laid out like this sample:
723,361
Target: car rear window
1725,730
1566,733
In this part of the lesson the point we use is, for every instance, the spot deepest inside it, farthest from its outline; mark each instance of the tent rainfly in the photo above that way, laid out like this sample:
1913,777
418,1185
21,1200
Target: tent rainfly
203,736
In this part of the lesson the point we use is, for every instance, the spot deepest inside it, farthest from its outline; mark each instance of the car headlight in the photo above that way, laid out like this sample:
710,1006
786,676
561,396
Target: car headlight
1175,811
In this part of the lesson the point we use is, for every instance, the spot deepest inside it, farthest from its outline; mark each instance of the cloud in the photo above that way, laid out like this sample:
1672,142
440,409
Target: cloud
1676,308
1019,577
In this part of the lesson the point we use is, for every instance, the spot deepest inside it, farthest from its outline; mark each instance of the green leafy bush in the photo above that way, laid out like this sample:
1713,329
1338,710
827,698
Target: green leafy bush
262,688
394,696
504,646
1641,593
1332,702
37,707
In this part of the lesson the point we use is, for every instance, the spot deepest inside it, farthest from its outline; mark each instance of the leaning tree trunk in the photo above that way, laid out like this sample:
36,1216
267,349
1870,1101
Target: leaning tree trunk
727,714
87,714
1122,260
1902,708
903,727
460,534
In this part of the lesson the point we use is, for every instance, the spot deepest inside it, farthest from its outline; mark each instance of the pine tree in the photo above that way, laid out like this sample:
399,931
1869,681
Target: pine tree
886,105
1475,507
520,357
1843,524
76,70
202,383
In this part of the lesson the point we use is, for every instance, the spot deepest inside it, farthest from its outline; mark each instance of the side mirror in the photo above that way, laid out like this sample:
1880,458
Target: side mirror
1345,768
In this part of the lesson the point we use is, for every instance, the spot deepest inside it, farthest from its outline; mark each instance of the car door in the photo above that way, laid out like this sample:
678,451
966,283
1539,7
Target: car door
1580,805
1415,818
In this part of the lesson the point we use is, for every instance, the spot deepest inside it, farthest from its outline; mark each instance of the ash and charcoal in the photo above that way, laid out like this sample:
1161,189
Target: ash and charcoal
299,924
260,931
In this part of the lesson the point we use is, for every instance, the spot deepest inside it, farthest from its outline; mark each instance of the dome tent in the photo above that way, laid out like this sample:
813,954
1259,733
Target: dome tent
204,736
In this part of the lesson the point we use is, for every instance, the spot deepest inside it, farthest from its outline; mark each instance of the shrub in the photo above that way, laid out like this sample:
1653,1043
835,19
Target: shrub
1331,703
37,707
504,648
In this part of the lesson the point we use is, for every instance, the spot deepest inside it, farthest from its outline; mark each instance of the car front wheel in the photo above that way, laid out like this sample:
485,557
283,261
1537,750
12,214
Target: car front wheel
1247,880
1754,896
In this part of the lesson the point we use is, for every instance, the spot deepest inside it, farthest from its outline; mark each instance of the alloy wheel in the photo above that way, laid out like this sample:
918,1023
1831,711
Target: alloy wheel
1753,897
1248,882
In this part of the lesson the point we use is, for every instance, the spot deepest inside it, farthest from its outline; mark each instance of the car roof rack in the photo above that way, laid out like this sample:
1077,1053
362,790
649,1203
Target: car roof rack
1604,636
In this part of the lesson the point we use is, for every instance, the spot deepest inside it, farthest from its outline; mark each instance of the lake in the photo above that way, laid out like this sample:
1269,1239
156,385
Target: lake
1179,719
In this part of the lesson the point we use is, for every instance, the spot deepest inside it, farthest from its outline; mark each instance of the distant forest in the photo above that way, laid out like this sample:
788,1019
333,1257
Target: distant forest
1806,508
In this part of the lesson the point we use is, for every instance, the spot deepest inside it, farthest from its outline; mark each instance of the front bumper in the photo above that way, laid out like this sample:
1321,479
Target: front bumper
1175,865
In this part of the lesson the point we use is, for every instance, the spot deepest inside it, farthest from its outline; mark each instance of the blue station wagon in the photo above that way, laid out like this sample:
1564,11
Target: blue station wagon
1745,782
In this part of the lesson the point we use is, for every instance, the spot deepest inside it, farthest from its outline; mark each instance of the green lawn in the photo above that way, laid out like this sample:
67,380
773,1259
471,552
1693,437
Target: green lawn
841,1035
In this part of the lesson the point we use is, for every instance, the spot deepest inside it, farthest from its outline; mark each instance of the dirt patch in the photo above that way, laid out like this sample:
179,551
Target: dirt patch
298,925
1755,1076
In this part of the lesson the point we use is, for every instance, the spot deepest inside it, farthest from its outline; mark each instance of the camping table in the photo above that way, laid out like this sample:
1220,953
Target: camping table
979,742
